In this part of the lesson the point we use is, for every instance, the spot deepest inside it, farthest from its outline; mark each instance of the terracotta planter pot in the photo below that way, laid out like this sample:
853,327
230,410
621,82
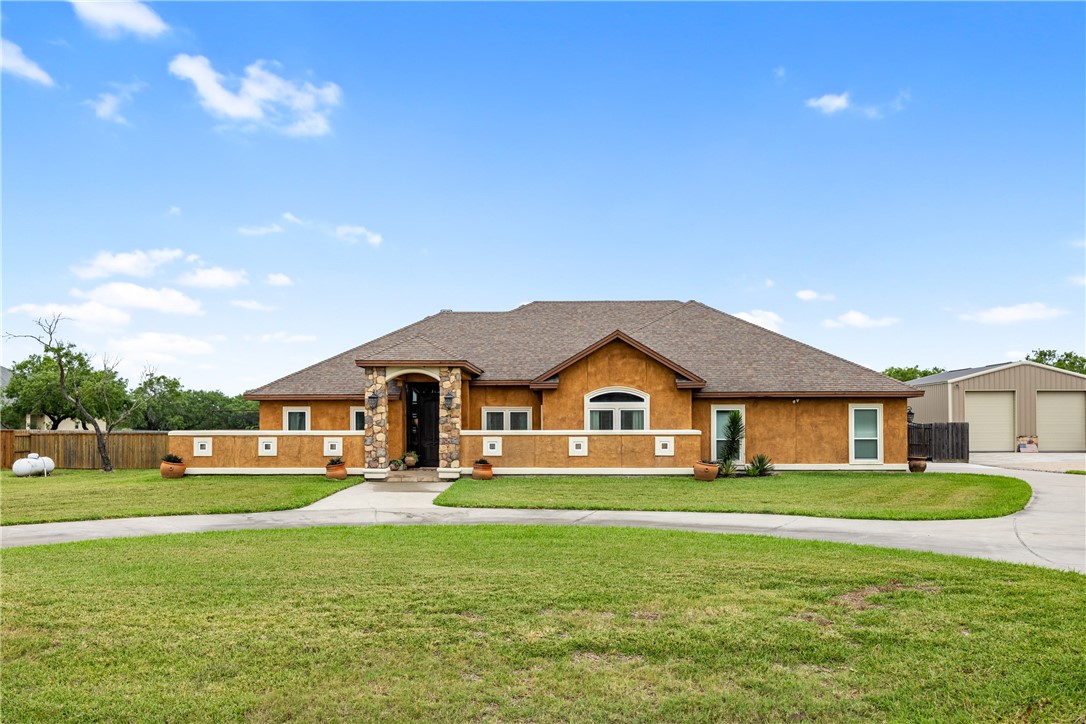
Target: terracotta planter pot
336,472
172,470
917,465
410,461
705,471
482,472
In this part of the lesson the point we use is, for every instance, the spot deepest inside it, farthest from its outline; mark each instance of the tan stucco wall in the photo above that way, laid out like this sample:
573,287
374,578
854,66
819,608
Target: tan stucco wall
324,414
294,451
483,396
617,365
811,431
604,451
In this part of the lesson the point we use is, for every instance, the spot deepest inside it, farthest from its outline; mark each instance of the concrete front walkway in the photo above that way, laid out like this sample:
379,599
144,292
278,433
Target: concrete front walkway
1049,532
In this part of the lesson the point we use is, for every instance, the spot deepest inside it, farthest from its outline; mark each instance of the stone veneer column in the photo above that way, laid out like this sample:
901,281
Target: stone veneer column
448,435
376,428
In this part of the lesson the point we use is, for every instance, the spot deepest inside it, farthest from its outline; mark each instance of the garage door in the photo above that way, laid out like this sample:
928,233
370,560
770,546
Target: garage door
1061,421
991,421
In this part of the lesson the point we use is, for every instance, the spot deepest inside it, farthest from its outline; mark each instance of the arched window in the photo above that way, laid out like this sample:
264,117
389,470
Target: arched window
616,408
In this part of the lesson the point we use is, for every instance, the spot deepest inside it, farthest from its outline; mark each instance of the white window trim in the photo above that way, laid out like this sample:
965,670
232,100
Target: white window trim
505,416
288,410
350,422
852,459
713,409
616,407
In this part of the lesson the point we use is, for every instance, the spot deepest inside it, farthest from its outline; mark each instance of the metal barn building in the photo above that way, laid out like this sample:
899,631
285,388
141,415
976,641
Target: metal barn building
1008,401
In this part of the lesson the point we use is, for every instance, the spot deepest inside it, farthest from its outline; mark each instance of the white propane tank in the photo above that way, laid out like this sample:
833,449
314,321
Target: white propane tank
50,466
22,468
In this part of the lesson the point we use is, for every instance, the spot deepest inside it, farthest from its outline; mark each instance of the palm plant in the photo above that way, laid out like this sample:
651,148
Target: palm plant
734,431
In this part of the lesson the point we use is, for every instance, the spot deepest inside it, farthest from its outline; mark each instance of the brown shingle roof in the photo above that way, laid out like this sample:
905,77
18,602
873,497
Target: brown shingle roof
731,355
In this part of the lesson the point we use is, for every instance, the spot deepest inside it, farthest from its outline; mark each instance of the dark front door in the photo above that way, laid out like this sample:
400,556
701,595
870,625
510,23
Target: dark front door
422,421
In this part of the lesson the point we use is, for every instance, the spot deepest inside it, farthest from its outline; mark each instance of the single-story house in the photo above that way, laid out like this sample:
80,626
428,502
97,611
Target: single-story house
1008,403
559,387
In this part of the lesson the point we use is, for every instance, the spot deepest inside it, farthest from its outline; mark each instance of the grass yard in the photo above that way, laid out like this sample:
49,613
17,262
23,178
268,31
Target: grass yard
92,494
532,624
886,496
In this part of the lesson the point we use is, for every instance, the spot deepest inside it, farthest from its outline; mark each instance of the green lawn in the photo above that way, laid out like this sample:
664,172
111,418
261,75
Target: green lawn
92,494
889,496
529,623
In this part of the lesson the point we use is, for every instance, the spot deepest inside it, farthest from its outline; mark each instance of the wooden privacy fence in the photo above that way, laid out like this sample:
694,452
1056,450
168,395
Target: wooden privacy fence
944,442
78,450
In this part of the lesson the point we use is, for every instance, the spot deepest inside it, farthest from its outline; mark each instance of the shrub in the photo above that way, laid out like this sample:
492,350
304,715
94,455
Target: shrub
727,468
482,461
759,466
734,431
335,461
171,458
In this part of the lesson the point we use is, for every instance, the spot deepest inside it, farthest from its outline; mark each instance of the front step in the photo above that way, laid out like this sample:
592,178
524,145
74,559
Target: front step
413,475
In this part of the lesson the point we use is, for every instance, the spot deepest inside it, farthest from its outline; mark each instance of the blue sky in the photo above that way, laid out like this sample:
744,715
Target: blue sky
232,191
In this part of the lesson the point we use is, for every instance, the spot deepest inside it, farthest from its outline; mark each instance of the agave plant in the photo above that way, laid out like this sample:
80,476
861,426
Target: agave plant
727,468
759,466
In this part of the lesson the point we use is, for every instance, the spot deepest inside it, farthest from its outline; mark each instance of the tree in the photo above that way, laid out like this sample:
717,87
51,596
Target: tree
1067,361
103,394
910,373
34,390
180,409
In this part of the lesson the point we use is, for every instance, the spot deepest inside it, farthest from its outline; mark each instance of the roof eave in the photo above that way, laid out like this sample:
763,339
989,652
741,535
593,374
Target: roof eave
805,395
461,363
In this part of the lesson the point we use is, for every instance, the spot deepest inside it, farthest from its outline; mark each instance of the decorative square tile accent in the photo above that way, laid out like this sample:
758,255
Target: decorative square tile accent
201,447
267,447
665,447
578,447
333,447
492,447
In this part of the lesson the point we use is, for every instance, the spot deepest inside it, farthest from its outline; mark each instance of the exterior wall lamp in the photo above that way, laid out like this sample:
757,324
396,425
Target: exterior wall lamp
372,400
449,397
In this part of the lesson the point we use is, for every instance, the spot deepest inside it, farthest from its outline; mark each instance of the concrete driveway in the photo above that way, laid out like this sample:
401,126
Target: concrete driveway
1049,532
1045,462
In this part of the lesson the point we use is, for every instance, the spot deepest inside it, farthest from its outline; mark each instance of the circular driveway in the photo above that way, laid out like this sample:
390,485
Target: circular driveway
1049,532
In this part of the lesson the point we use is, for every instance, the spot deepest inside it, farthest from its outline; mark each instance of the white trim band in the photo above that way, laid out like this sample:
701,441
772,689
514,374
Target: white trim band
579,433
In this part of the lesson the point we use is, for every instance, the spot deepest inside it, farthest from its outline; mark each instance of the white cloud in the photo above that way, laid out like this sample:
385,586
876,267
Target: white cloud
1031,311
279,280
1079,281
133,296
853,318
829,103
263,98
215,277
108,105
91,316
1079,243
287,216
112,19
810,295
770,320
134,264
252,305
289,338
769,283
13,61
157,347
260,230
354,234
174,211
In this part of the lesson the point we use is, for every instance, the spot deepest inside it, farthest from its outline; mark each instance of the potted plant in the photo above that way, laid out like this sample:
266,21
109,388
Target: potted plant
917,463
410,458
395,464
336,469
172,466
706,470
482,470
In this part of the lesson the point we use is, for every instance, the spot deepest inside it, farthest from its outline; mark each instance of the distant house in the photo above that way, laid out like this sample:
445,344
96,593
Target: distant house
557,387
5,378
1007,403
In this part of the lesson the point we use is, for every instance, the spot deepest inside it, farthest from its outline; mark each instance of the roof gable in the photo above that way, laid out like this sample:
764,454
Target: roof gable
969,372
684,377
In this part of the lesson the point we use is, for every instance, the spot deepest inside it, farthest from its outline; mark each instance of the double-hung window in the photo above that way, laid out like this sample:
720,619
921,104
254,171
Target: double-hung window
865,433
721,413
295,418
616,409
358,418
507,418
